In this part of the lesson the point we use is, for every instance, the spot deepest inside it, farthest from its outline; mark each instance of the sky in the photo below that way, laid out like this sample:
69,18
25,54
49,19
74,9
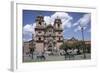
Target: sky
71,23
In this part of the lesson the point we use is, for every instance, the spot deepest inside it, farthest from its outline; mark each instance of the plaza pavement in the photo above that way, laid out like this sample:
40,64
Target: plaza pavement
56,58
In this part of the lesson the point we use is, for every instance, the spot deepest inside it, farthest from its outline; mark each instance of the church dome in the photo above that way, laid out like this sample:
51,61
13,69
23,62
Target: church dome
49,26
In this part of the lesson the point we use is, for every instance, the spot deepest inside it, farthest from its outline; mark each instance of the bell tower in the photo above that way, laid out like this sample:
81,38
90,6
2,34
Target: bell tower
39,33
58,31
57,23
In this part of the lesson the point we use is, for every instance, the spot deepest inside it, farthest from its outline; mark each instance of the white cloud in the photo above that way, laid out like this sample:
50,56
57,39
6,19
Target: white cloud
77,29
76,23
28,29
85,19
67,24
27,36
47,19
33,26
61,15
83,22
65,18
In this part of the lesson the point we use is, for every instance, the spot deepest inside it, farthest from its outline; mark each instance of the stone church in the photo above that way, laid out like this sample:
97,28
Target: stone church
48,37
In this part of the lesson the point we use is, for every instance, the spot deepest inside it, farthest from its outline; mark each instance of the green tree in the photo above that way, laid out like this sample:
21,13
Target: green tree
64,47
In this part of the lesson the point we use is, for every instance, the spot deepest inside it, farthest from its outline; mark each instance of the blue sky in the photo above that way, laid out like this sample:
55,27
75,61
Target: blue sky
71,22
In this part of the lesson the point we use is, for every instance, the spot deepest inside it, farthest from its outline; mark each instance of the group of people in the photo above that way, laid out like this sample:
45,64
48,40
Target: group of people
70,53
42,56
37,56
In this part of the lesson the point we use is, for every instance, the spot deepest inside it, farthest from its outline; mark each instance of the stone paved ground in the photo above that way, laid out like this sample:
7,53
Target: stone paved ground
56,58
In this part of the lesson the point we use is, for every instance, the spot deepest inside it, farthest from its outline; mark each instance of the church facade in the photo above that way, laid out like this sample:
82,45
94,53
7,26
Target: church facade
48,37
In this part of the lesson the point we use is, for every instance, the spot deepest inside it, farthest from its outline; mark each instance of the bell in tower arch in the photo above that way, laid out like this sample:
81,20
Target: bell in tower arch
39,20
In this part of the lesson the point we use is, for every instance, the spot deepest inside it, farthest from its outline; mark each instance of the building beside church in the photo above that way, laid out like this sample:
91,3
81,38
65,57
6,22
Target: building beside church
72,40
48,37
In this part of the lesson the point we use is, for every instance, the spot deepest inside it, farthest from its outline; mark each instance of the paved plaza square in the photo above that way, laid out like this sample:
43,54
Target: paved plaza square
57,58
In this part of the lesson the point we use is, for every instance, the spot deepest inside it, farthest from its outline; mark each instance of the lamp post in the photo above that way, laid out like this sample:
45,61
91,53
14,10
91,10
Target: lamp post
83,43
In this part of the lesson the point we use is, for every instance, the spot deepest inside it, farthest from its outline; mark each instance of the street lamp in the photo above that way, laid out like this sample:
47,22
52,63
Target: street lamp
83,43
